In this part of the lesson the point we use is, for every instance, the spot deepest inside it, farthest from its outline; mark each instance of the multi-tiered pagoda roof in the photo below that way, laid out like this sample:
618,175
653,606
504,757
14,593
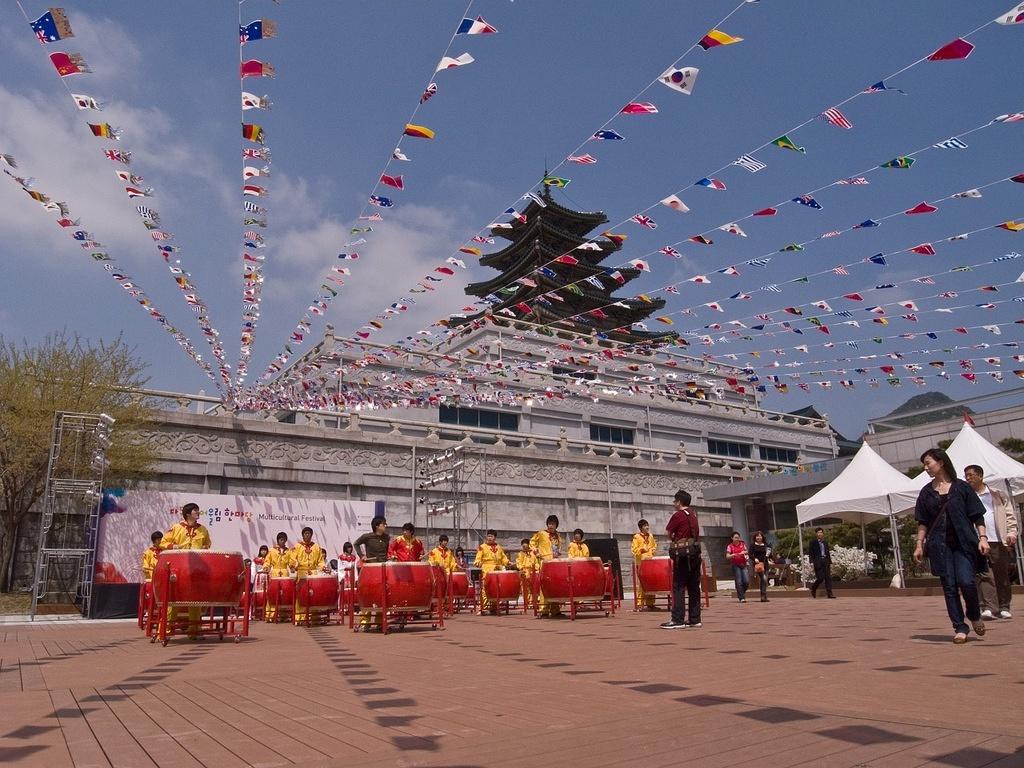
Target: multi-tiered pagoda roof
546,277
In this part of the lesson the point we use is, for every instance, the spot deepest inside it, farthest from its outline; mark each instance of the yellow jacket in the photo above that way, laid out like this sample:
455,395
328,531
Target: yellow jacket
306,560
149,562
276,563
182,536
643,548
443,557
578,550
490,558
544,544
526,563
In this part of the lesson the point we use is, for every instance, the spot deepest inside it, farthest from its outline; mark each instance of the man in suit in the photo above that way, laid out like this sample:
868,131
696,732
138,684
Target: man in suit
821,559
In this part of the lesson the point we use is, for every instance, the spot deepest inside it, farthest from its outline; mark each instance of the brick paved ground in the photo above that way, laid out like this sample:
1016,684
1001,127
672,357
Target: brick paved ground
848,682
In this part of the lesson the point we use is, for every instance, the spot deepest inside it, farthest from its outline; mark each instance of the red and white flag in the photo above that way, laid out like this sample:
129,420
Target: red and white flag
392,181
582,159
639,108
837,118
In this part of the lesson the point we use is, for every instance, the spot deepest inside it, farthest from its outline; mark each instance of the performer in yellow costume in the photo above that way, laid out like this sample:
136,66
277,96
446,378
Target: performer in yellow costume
490,557
150,555
547,545
187,534
307,558
526,564
442,556
644,546
276,566
578,547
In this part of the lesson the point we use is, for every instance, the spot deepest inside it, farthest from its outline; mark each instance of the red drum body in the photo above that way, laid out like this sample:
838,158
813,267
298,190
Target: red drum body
200,577
577,579
440,582
502,585
280,591
460,584
259,591
318,592
397,585
655,575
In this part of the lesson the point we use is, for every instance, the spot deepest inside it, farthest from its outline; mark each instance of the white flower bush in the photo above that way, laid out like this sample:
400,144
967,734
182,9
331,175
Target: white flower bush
848,564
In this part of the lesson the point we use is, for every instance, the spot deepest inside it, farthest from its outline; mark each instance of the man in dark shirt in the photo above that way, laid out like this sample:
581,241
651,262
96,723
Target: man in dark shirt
684,549
373,547
821,559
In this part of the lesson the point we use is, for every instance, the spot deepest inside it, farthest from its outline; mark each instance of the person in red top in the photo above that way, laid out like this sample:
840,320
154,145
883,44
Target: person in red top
736,554
684,549
406,548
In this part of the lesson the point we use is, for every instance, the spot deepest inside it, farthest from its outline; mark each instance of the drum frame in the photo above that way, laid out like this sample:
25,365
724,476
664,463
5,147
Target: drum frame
403,616
233,619
588,605
500,601
458,603
273,600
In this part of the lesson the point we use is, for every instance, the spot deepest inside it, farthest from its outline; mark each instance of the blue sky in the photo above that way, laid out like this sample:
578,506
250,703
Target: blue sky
348,76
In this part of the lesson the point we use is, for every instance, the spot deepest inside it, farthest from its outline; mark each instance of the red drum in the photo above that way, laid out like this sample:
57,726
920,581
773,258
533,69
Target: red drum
655,575
318,592
460,584
440,582
585,574
405,585
281,591
502,585
200,577
259,591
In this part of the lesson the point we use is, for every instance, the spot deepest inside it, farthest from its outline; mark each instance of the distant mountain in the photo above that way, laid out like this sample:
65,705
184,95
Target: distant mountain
927,400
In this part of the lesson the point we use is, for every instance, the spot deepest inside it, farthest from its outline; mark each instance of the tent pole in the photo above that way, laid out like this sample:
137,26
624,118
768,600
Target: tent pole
864,544
800,538
1019,549
896,554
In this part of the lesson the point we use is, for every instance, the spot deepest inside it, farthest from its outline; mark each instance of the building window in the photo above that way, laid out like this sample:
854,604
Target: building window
781,455
727,448
477,417
603,433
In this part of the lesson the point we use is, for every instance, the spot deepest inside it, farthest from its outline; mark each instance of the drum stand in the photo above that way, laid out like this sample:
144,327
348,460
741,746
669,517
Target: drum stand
234,619
323,613
404,615
655,596
273,599
347,599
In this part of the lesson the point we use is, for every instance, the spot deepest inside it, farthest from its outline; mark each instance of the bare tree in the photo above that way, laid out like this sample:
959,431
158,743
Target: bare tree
62,374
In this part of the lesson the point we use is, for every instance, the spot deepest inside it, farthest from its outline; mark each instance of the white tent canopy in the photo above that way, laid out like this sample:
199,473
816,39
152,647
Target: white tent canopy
969,447
867,489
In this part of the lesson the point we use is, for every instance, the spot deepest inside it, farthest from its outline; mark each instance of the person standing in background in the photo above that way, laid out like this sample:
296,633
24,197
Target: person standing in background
1001,530
821,559
759,554
644,546
684,533
736,554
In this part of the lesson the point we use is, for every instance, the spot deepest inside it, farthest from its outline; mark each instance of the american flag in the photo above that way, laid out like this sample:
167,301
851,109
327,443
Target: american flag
857,180
750,163
582,159
837,118
840,270
833,233
644,221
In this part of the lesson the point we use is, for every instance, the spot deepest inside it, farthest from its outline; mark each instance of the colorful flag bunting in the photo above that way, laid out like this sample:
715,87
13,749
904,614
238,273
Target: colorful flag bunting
252,132
381,201
711,184
898,162
252,101
881,86
668,250
837,118
925,249
854,180
428,92
475,26
418,131
681,80
555,181
105,131
261,29
448,62
68,64
921,208
639,108
749,163
951,143
85,102
392,181
766,212
807,200
644,221
608,136
701,240
256,68
734,229
958,49
715,38
784,142
675,204
582,159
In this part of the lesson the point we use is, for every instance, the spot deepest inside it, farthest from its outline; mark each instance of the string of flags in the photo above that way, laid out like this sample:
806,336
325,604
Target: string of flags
54,26
256,161
376,204
88,241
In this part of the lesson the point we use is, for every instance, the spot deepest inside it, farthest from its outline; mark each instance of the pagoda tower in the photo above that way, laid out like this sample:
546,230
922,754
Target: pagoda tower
546,278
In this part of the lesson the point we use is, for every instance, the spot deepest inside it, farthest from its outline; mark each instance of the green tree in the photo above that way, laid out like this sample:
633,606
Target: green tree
1013,446
62,374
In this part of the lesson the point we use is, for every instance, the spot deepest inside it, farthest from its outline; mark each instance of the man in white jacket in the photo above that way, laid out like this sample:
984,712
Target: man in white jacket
1001,530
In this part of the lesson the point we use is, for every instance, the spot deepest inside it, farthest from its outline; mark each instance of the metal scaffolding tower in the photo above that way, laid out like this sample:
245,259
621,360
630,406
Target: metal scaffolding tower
71,510
452,485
